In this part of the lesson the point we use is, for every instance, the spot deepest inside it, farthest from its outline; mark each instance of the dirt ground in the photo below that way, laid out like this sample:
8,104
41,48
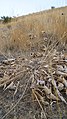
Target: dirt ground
27,108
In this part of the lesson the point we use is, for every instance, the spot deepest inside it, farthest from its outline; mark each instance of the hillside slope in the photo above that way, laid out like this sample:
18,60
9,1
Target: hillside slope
27,32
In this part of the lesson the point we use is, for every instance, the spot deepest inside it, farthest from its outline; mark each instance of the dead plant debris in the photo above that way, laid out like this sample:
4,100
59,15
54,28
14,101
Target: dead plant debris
48,76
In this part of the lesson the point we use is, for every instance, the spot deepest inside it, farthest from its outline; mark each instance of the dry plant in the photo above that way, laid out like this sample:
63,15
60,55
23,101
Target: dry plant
47,73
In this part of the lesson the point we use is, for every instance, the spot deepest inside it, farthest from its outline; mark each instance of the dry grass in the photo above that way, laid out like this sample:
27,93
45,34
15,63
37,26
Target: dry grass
45,69
16,33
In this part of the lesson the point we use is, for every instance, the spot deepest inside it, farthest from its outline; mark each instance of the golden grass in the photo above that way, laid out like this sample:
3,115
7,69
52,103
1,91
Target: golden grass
50,21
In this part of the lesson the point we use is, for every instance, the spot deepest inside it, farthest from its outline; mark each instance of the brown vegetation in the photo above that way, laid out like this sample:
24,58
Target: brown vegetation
15,35
34,68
